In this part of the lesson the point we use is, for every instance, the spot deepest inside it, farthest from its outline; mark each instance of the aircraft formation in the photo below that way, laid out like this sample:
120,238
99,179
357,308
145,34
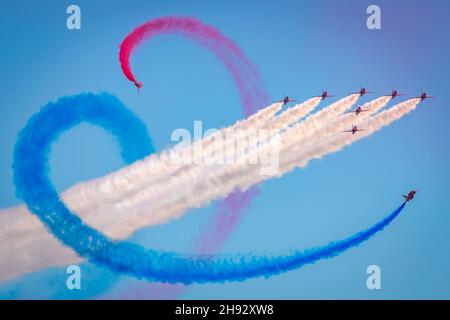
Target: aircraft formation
358,110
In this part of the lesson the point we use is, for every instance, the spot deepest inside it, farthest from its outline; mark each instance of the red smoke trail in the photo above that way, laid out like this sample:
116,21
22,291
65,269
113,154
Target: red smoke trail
245,75
253,97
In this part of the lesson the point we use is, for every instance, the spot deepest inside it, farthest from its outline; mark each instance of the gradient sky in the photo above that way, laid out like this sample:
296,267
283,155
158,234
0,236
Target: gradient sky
300,48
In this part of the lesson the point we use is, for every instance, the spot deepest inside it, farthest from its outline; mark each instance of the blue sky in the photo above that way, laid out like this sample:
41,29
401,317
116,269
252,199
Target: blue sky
300,48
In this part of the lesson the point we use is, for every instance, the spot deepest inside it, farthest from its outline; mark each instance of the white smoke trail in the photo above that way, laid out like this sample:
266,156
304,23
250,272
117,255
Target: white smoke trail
300,154
89,196
338,123
77,196
292,115
159,203
155,197
26,246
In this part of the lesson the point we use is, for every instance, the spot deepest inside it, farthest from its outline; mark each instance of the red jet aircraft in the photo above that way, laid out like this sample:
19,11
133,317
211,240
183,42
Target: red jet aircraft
324,95
354,130
424,96
363,91
358,110
410,196
394,94
286,100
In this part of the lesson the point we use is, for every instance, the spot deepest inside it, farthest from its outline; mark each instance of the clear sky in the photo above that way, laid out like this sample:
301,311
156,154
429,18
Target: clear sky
300,48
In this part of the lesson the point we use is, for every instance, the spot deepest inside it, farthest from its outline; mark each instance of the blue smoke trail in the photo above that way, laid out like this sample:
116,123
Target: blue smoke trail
34,187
